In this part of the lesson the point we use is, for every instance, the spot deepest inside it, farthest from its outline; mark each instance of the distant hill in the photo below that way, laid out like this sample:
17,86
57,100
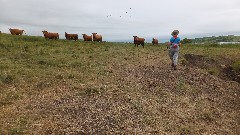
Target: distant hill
214,39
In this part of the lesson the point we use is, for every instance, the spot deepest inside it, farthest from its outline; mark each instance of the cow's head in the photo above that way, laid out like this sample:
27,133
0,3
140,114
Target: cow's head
44,32
135,37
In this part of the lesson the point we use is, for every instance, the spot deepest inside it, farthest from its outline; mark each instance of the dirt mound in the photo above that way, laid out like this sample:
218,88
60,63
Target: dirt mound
228,72
200,61
221,68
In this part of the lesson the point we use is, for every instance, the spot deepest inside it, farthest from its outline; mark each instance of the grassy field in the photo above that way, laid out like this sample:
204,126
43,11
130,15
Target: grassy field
68,87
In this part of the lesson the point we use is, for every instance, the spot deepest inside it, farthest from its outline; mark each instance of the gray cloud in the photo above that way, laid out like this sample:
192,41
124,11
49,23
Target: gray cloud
150,18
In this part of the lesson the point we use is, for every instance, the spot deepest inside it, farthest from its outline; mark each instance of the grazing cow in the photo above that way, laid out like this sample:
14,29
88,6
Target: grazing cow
50,35
71,36
138,41
16,31
96,37
0,32
155,41
86,37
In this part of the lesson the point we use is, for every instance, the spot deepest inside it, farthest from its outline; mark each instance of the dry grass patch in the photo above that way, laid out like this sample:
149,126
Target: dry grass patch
64,87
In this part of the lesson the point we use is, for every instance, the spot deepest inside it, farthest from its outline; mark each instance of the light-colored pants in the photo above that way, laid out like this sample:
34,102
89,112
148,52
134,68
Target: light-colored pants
173,54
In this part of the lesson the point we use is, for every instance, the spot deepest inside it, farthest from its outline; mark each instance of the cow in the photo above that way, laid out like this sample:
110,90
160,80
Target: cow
86,37
71,36
16,31
96,37
0,32
138,41
50,35
155,41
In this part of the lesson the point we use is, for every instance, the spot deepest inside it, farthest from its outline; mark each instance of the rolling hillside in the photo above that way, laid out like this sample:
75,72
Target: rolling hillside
216,39
68,87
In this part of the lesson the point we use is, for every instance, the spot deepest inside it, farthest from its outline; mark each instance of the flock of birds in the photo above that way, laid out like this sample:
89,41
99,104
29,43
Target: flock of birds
126,13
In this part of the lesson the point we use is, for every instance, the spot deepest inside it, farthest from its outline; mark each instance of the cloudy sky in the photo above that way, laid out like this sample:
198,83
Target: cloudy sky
119,20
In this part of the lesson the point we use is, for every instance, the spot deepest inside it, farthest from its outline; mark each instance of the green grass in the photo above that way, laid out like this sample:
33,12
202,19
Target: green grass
42,82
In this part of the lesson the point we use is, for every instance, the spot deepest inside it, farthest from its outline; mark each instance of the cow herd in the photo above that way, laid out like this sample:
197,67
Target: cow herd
94,37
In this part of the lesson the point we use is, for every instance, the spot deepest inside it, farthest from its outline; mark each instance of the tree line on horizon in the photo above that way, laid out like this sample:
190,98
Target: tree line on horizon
213,39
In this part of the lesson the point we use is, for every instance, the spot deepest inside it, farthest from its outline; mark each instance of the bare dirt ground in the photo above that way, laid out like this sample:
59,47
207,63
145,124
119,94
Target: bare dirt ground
144,98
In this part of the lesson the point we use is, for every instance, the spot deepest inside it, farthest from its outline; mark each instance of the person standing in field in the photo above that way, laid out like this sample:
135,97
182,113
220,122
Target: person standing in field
174,47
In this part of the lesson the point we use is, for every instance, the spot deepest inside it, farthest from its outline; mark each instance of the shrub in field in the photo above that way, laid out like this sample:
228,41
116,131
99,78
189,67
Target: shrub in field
9,96
5,78
184,62
185,41
214,71
236,66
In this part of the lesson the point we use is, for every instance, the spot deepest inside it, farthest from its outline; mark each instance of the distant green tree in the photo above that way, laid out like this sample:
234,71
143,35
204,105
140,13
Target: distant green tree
215,39
185,41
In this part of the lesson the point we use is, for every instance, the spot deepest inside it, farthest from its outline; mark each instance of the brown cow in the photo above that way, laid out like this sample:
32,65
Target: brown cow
50,35
86,37
96,37
16,31
155,41
71,36
138,41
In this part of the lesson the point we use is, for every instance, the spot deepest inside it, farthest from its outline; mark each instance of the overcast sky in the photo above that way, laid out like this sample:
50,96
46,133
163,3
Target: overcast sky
119,20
